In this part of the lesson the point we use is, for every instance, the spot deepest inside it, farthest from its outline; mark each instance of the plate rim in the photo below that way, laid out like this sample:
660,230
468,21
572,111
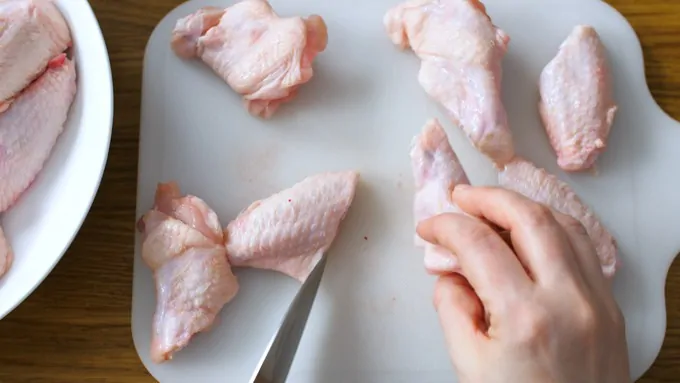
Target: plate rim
88,23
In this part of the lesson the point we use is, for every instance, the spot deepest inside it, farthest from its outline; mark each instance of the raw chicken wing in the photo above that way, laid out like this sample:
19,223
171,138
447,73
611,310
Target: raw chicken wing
576,104
461,52
291,230
183,243
32,32
262,56
525,178
30,128
436,171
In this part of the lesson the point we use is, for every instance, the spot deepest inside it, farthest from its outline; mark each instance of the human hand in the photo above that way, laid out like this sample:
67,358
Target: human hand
537,311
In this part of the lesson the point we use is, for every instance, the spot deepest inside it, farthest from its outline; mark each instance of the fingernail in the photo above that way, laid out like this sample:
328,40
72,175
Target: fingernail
462,187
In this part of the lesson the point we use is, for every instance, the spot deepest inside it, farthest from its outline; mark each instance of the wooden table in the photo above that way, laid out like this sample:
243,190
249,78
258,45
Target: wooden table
76,326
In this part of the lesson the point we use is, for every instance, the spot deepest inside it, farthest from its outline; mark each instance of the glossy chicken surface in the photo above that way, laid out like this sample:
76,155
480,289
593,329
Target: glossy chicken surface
262,56
577,105
461,51
290,231
436,171
32,32
183,243
537,184
31,126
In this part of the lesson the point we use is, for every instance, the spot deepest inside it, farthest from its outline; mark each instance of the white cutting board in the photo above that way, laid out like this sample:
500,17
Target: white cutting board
373,319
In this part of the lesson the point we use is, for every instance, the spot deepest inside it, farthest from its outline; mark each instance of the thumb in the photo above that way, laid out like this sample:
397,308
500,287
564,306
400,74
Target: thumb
461,316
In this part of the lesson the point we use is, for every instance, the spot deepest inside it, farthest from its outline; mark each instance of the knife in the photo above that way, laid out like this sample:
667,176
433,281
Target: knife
275,363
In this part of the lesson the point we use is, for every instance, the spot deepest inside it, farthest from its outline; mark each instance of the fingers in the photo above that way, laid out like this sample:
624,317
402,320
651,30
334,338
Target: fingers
537,238
461,315
586,255
487,262
439,261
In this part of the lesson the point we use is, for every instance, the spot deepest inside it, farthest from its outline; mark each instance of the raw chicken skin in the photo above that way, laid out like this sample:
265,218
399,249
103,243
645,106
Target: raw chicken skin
290,231
183,243
30,128
32,32
537,184
6,256
262,56
189,30
576,104
436,170
191,210
461,53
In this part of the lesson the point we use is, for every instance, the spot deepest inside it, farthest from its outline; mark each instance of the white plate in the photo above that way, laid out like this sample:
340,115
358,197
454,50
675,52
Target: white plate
373,319
43,223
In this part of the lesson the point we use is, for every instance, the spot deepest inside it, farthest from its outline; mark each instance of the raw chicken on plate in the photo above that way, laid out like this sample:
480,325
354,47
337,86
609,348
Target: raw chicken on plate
29,129
32,32
577,105
183,243
290,231
461,51
262,56
436,171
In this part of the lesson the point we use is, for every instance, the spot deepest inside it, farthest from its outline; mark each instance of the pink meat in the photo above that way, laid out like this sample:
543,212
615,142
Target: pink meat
262,56
537,184
30,128
577,105
31,33
182,242
461,53
437,171
290,231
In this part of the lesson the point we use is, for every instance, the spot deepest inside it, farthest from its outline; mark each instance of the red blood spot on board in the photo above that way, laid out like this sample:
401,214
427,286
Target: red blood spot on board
365,238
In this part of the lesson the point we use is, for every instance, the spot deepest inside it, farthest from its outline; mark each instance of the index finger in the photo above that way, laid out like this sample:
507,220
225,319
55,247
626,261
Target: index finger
538,239
487,262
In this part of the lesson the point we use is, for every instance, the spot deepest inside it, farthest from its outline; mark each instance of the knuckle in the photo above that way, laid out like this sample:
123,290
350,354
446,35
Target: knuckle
479,233
586,319
538,215
533,326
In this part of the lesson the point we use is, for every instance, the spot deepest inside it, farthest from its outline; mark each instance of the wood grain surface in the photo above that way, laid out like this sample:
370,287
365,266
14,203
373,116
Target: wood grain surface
76,326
